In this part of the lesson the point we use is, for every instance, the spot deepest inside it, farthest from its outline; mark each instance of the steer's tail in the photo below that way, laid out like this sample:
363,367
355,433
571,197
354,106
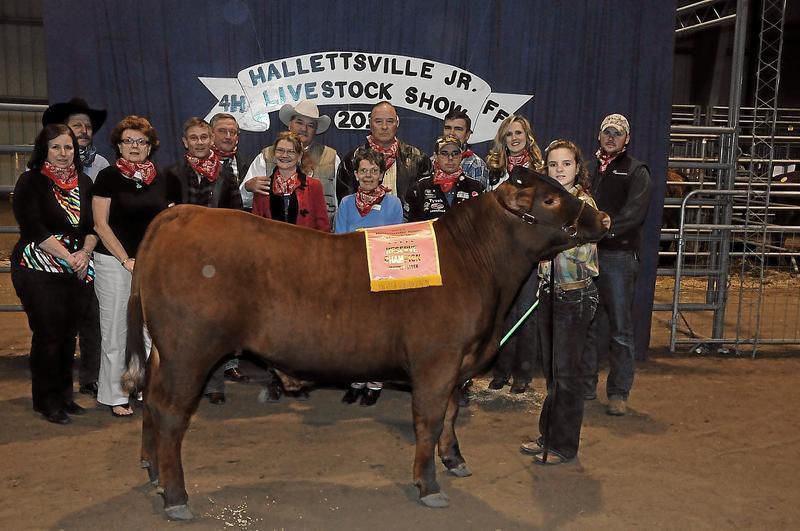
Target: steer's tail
133,379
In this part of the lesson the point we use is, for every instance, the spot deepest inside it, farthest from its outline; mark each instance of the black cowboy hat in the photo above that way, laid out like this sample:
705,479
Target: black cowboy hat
59,112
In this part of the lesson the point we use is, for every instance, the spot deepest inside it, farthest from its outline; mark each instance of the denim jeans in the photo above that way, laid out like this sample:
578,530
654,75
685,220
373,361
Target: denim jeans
618,271
563,326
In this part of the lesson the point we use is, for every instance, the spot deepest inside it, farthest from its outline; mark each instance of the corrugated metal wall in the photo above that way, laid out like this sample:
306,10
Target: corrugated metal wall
23,79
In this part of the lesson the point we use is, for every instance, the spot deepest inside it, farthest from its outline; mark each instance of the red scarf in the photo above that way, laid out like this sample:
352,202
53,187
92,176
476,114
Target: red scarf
225,154
523,160
389,154
284,185
365,200
141,172
605,159
446,181
64,178
207,167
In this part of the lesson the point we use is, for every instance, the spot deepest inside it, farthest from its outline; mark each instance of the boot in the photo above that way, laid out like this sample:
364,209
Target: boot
370,397
352,394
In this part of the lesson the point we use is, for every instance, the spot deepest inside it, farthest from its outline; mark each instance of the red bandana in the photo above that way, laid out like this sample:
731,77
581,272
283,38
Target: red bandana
284,185
523,160
446,181
467,154
389,154
225,154
605,159
365,200
207,167
141,172
64,178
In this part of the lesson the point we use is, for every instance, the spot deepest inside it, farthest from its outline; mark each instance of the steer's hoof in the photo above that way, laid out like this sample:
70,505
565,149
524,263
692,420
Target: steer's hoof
436,500
146,463
460,471
179,512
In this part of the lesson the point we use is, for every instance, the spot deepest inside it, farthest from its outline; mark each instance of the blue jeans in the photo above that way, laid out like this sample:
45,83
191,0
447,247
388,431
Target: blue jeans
563,326
618,271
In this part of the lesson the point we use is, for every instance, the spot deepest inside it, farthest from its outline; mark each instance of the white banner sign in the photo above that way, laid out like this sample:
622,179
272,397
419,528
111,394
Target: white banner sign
343,78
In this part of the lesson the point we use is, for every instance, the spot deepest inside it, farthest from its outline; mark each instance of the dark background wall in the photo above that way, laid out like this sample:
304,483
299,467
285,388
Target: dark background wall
580,59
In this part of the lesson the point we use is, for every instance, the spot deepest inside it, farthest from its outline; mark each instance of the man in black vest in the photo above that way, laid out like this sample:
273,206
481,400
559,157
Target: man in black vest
200,178
621,187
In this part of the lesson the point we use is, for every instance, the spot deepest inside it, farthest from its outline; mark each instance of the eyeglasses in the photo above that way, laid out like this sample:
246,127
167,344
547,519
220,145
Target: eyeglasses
284,151
368,171
450,154
613,133
135,141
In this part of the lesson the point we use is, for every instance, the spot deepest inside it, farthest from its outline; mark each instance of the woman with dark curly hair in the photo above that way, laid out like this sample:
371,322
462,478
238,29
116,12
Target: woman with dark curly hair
51,264
126,197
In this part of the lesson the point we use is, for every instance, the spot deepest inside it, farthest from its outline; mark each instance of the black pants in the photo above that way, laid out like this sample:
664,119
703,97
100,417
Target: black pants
520,355
562,352
89,336
54,304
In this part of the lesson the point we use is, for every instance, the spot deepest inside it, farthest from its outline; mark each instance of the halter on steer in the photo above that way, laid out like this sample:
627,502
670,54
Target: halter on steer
571,229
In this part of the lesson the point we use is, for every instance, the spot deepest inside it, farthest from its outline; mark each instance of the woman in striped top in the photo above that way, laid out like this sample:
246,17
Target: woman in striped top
51,264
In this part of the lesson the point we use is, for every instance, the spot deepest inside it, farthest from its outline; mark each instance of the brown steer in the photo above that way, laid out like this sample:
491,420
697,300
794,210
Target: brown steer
194,274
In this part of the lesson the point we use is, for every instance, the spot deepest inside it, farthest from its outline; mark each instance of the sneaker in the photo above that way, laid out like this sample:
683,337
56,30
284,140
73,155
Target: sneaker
616,406
370,397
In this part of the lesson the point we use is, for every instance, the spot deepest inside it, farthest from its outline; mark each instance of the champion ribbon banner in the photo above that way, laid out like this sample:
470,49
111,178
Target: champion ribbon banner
403,256
343,78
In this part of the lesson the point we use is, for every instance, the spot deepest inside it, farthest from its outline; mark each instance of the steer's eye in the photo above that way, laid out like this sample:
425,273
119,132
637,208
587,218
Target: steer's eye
549,201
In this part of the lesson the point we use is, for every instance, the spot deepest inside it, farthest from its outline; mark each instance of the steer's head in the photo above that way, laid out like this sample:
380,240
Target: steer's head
565,221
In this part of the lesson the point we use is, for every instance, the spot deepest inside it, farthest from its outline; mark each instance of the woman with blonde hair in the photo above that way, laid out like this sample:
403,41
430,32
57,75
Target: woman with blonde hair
514,145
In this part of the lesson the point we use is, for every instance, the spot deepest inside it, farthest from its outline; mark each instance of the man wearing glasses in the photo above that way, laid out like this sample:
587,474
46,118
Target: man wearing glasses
318,161
458,124
405,164
621,187
433,195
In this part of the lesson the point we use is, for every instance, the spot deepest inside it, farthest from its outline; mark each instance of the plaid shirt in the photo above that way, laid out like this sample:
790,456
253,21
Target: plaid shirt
577,263
198,191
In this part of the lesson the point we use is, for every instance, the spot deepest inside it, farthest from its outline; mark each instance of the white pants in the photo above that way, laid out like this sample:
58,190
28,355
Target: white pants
113,287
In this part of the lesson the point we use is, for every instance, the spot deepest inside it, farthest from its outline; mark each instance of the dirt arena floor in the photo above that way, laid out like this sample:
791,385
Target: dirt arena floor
710,443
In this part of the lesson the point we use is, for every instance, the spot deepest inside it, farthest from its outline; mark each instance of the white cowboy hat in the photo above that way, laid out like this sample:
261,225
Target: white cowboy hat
306,109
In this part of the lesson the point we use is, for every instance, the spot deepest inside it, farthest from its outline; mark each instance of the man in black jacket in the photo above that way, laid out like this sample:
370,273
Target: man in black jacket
203,177
621,187
405,164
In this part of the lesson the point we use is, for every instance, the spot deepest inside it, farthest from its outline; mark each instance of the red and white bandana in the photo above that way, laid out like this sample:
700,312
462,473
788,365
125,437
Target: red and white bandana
141,172
366,200
64,178
605,159
389,154
523,160
207,167
284,185
446,181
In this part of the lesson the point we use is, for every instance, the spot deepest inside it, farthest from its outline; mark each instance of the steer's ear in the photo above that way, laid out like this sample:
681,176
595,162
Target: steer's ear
516,197
518,191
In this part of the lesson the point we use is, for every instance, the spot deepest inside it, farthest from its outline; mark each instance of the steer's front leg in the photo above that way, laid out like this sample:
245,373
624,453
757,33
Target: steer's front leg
429,402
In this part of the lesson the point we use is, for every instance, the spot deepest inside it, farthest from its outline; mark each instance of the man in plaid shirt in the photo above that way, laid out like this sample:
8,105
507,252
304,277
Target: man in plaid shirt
458,124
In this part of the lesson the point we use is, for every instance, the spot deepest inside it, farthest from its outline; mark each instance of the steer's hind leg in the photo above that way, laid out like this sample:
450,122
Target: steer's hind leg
429,403
149,445
172,397
449,452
